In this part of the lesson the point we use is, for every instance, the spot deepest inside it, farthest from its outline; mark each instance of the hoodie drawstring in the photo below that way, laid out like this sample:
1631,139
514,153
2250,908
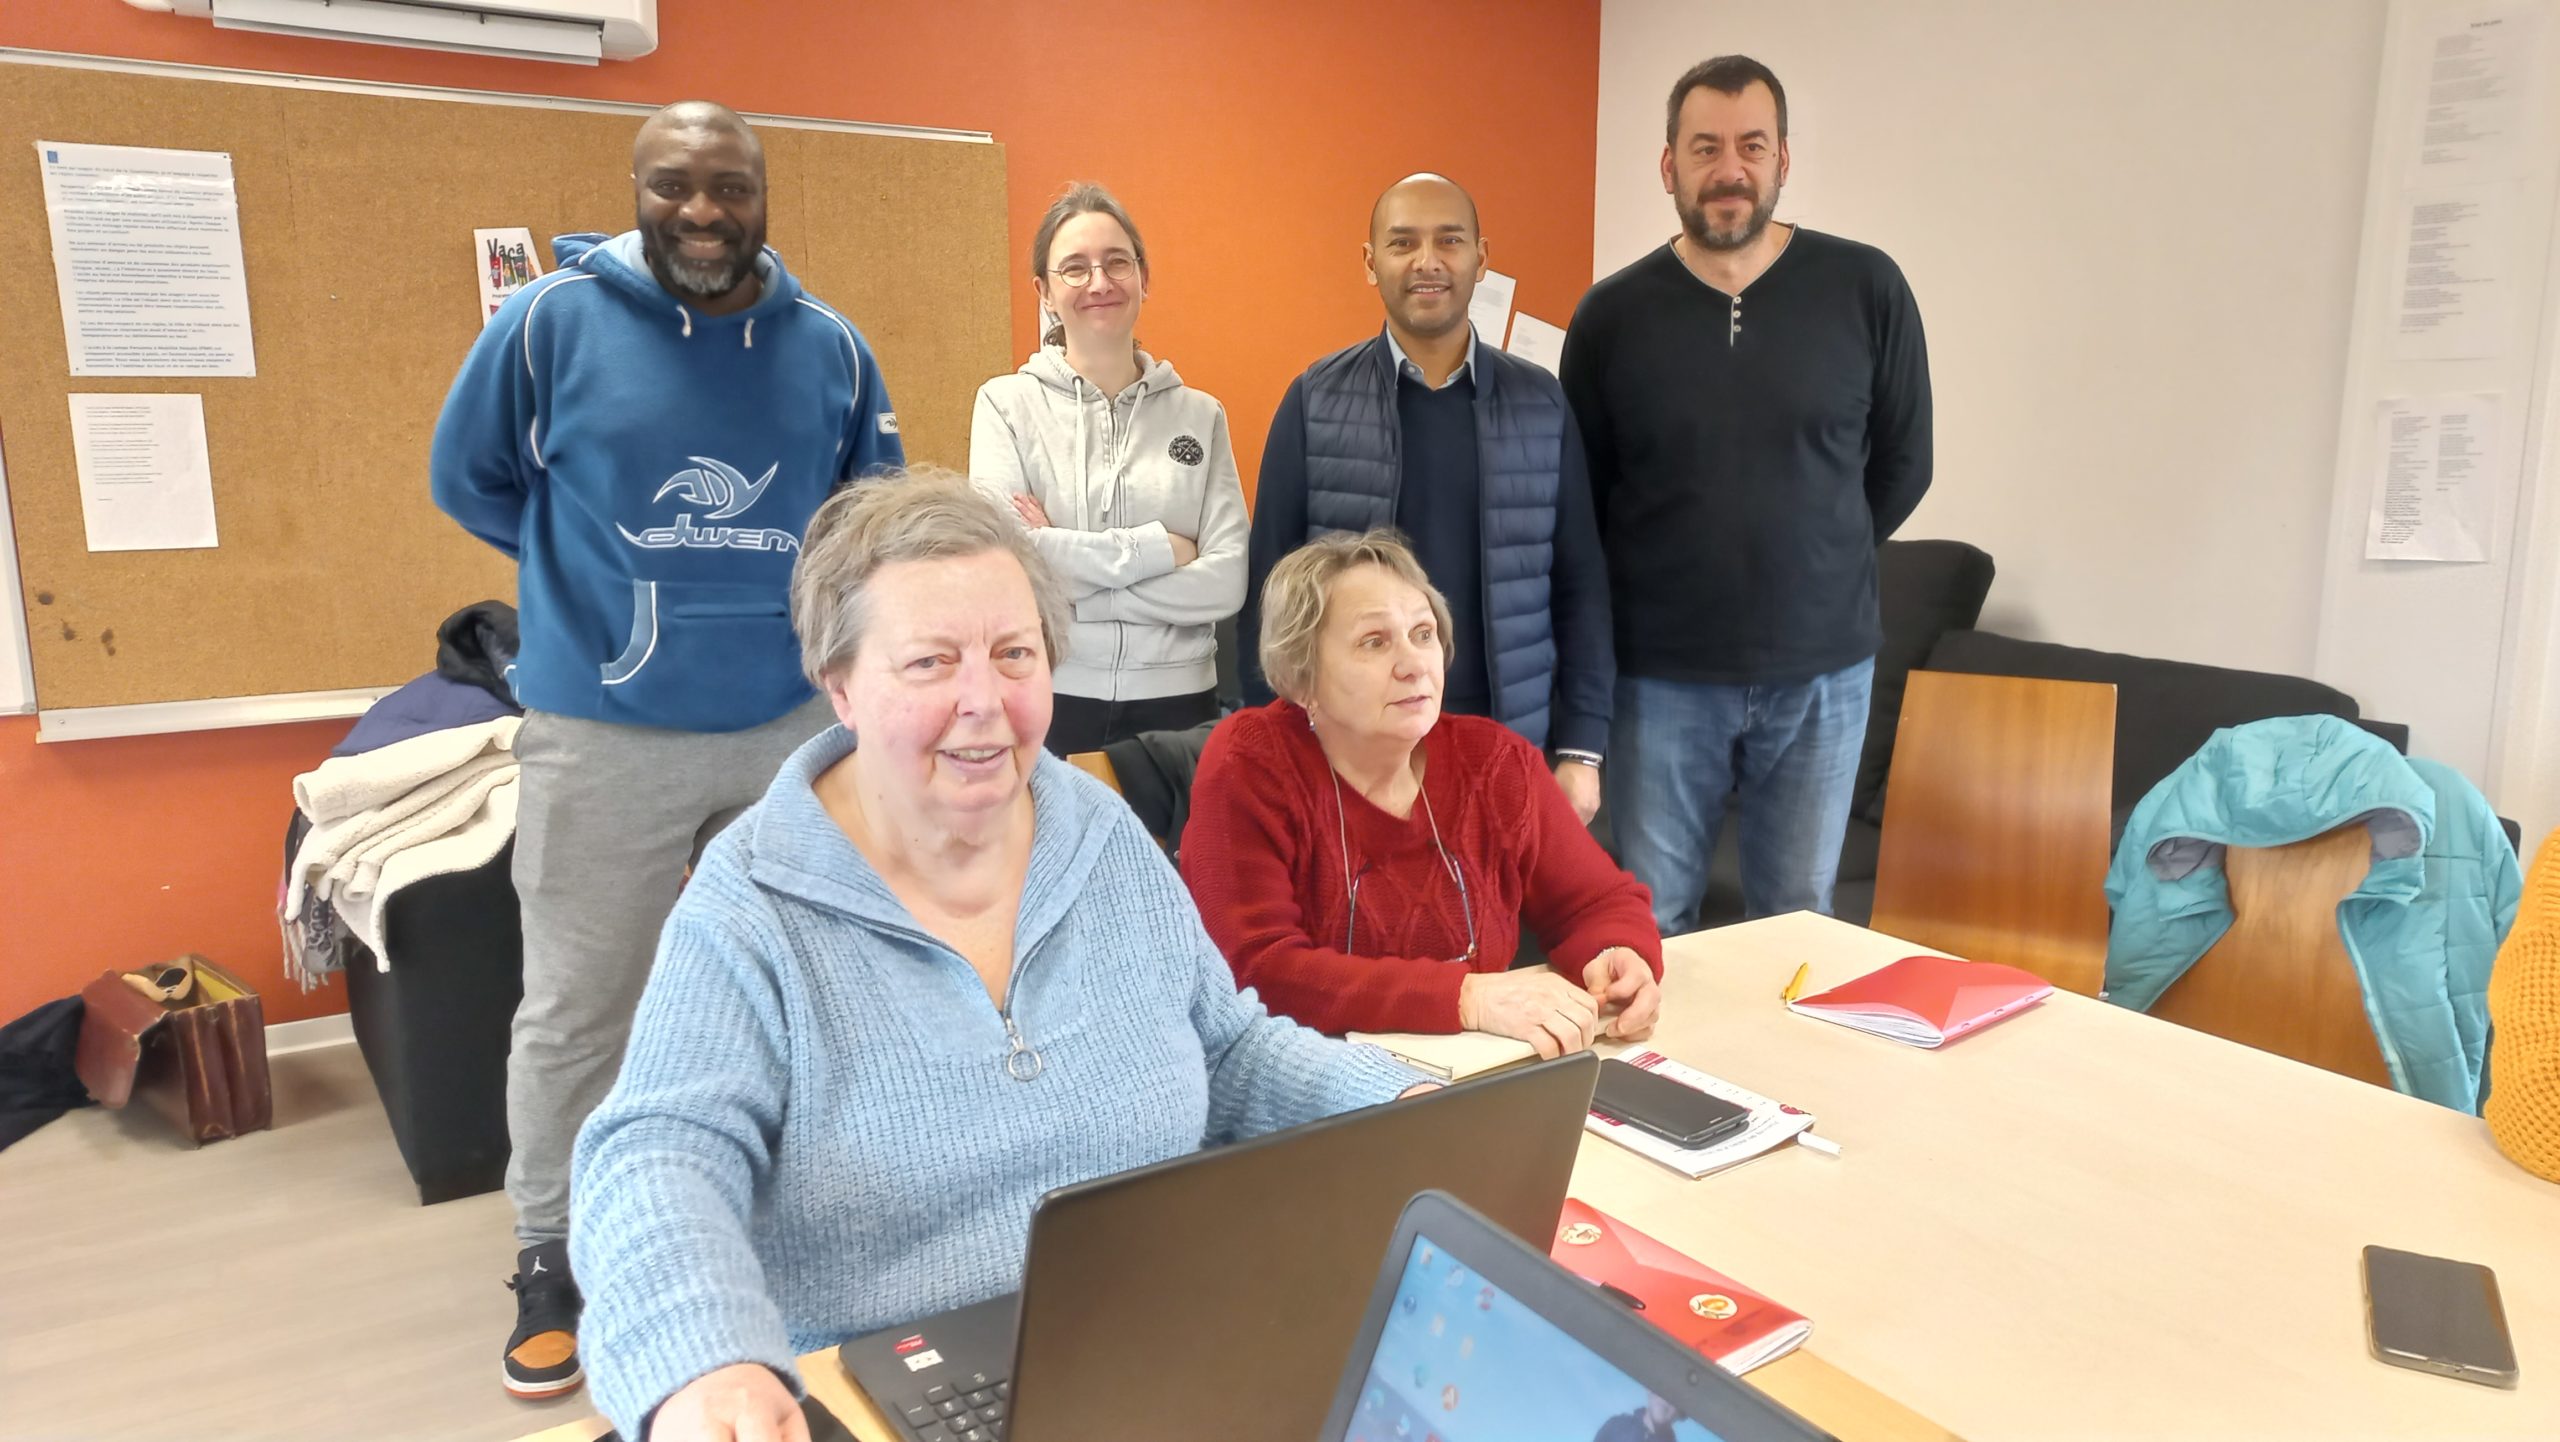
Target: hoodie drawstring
1117,447
1120,447
1084,468
686,314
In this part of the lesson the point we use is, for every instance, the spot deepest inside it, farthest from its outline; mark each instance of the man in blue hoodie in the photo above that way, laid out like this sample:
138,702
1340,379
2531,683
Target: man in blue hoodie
646,432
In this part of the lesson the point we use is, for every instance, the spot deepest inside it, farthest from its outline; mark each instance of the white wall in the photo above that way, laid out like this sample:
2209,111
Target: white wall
2525,763
2461,651
2133,231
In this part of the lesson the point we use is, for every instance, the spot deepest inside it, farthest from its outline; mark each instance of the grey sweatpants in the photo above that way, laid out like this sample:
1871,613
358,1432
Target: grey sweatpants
608,818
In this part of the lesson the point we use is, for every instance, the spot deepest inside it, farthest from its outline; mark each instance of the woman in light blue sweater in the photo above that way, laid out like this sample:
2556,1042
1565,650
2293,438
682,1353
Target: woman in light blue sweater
923,981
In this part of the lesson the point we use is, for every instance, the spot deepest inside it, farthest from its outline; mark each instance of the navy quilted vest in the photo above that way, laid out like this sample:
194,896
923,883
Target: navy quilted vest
1354,466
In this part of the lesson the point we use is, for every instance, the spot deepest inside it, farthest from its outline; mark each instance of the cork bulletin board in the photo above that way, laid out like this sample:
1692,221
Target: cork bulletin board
356,214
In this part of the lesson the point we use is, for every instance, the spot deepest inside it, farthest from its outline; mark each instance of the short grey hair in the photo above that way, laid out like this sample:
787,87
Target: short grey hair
1296,592
923,513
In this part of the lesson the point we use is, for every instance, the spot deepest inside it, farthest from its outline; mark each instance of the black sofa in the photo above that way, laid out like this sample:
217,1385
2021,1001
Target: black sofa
1930,594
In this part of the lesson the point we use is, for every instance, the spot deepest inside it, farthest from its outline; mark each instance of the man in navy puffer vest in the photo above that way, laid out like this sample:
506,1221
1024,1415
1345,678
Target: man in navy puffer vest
1475,456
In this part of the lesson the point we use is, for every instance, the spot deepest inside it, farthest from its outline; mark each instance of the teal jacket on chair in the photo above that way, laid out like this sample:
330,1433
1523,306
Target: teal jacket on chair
2422,929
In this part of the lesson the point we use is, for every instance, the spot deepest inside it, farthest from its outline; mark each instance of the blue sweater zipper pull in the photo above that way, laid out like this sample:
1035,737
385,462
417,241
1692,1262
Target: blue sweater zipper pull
1022,1063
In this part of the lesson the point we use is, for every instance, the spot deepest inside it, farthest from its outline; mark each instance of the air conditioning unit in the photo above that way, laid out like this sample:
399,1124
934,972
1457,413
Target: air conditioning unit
573,32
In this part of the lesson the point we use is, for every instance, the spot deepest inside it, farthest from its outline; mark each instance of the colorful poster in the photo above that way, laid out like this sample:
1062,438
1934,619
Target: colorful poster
507,264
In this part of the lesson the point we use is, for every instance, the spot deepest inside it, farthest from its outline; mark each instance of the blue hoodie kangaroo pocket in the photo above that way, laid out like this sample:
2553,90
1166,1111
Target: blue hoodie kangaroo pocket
704,656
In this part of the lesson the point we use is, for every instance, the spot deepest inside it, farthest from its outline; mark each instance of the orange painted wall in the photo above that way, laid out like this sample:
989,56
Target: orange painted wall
1247,138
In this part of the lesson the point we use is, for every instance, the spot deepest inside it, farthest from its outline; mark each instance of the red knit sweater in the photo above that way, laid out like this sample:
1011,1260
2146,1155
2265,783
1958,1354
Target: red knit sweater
1264,857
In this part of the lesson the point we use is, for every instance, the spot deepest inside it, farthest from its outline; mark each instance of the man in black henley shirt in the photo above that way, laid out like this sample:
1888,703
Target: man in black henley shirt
1754,401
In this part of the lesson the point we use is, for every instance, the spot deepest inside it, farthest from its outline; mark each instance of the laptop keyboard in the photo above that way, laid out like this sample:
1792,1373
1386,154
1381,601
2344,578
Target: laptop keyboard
949,1413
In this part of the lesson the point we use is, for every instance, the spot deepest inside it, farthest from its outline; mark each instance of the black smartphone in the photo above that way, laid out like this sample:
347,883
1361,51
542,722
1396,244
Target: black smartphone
2430,1314
1681,1115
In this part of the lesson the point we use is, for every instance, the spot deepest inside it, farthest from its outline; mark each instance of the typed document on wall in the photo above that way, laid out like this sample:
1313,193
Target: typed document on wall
146,255
146,479
2439,472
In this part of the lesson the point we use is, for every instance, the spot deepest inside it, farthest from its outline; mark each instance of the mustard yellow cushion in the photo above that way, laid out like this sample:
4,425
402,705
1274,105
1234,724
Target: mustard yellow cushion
2524,1018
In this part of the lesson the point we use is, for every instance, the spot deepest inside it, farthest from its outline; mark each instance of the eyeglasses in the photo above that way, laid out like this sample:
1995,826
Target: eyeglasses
1351,880
1466,905
1079,274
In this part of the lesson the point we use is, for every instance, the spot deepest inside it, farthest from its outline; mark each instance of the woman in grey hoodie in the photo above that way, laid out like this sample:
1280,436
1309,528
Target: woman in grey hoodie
1127,480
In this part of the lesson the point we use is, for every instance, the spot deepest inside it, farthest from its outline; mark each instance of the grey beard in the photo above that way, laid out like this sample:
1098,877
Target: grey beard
1693,222
707,282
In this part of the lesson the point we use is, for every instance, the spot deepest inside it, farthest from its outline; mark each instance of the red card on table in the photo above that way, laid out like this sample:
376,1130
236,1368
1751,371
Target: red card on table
1927,1000
1699,1306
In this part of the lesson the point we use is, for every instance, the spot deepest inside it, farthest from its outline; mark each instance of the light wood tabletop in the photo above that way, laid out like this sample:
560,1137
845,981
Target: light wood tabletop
2081,1223
2087,1223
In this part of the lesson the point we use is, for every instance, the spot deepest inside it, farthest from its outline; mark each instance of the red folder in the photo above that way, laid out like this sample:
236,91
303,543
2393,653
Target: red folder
1927,1000
1699,1306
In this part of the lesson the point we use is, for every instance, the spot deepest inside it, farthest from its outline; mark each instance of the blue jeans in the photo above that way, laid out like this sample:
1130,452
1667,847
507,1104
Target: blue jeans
1790,752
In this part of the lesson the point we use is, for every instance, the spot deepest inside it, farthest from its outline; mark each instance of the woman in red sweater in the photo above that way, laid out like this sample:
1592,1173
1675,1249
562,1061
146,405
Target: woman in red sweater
1366,862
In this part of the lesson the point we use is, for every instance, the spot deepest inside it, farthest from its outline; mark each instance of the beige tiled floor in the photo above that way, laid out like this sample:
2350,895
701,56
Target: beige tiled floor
278,1287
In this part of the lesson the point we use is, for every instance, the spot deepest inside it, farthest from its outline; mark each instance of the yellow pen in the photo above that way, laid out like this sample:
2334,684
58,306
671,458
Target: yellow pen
1797,985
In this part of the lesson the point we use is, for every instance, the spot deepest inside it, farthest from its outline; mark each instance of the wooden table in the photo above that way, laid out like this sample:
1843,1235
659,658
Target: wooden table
2084,1223
2080,1224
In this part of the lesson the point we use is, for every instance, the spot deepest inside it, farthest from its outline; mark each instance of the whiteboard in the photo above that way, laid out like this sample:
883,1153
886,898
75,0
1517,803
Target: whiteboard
17,676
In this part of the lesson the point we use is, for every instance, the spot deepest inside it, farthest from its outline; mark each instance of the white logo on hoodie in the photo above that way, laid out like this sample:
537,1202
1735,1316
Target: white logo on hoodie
727,492
717,484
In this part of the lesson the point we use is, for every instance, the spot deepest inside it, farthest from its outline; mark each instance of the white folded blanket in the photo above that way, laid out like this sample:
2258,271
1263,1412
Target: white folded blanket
428,806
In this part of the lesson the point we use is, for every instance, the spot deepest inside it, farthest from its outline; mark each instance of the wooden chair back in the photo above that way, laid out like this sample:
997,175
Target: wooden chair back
1996,823
1096,764
2280,980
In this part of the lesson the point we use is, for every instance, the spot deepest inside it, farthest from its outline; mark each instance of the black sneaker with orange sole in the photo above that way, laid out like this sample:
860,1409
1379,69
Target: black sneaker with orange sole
542,1352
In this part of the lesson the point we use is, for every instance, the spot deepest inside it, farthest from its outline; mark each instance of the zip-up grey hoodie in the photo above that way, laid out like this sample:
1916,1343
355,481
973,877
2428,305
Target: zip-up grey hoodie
1119,476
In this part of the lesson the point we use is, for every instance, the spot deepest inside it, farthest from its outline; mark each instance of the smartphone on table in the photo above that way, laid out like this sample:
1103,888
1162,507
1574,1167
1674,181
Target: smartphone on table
1681,1115
2431,1314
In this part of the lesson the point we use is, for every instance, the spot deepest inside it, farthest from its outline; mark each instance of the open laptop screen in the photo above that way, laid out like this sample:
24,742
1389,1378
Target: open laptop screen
1461,1360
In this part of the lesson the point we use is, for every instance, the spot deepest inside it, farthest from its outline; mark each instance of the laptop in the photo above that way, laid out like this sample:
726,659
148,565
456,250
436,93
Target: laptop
1216,1294
1470,1334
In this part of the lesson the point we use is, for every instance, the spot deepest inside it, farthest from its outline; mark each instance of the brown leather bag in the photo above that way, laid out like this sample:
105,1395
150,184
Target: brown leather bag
188,1038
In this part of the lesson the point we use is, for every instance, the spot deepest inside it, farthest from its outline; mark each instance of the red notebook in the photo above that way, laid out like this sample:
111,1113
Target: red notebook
1927,1000
1699,1306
